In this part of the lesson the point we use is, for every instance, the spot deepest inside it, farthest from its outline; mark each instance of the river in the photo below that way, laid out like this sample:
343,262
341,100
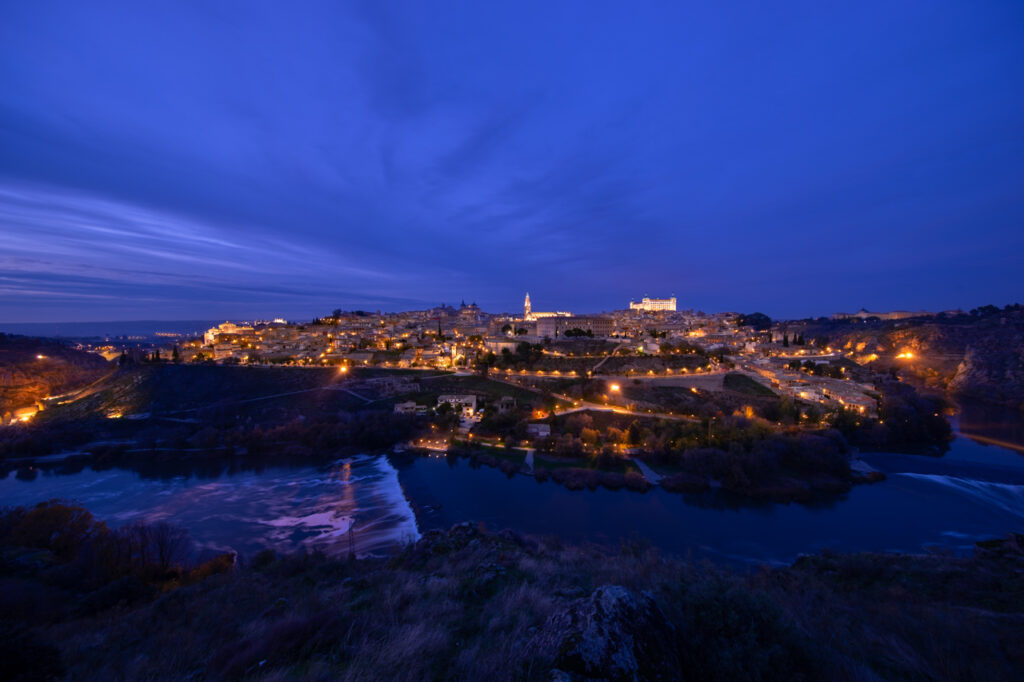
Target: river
374,504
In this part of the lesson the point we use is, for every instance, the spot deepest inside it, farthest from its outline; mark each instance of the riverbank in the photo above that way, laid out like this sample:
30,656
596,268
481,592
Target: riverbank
696,471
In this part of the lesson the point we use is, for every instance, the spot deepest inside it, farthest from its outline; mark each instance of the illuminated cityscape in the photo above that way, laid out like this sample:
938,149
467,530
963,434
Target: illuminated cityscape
557,342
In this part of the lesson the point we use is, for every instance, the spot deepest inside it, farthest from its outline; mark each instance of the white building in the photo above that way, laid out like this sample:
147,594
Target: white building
538,430
228,328
652,304
466,402
409,407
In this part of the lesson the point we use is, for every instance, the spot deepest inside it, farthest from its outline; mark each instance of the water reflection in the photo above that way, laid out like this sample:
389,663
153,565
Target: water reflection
992,424
367,503
352,505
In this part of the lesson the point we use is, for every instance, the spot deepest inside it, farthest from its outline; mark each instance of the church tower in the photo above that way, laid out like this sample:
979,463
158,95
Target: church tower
527,310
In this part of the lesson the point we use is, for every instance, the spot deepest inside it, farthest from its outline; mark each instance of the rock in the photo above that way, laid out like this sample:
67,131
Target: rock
1011,545
613,634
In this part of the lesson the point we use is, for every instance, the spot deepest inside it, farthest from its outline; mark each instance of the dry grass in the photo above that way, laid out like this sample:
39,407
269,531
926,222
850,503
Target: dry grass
468,605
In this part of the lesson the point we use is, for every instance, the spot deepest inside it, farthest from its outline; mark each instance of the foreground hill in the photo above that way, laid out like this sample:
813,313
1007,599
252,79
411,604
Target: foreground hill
80,601
32,369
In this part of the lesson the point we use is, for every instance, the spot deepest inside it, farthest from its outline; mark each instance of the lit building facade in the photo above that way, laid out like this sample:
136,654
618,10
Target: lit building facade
653,304
226,329
529,315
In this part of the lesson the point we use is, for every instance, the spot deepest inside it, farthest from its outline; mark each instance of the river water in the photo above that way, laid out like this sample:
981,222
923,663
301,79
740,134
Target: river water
374,504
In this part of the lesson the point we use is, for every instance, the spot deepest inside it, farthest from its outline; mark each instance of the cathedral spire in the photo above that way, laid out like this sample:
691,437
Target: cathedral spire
527,310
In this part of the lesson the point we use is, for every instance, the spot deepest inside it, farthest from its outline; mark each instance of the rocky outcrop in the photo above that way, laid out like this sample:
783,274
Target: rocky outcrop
614,634
974,356
994,371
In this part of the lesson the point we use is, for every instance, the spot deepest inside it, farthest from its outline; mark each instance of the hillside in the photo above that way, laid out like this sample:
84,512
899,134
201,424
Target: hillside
979,355
32,369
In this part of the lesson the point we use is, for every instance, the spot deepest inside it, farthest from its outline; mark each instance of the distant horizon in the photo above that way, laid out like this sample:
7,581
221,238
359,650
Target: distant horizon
7,326
539,303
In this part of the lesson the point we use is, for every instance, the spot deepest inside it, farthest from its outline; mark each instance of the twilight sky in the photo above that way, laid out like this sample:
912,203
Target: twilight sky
203,159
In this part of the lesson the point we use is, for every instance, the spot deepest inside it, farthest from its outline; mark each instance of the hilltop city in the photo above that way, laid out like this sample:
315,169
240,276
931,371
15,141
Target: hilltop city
646,339
650,344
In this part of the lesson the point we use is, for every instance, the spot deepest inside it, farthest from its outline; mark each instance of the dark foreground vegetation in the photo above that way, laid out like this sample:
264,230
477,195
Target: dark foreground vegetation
81,601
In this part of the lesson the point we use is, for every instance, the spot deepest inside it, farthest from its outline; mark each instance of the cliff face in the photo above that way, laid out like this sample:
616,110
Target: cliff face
32,369
975,356
993,369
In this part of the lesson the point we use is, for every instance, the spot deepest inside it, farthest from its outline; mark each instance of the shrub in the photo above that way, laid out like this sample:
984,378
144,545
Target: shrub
25,656
635,481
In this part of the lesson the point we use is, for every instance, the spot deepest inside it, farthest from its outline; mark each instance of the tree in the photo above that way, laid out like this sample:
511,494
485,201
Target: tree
123,360
758,321
507,329
633,434
785,340
175,355
589,436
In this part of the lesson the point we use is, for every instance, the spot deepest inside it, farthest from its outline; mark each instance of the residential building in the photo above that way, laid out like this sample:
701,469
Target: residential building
555,327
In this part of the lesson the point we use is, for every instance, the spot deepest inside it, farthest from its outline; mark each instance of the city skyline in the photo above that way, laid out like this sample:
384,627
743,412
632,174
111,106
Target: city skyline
204,162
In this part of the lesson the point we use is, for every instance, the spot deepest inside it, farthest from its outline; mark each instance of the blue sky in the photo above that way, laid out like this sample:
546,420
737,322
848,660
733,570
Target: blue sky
199,160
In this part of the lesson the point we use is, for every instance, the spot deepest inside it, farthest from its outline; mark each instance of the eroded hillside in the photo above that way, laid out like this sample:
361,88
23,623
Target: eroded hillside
32,369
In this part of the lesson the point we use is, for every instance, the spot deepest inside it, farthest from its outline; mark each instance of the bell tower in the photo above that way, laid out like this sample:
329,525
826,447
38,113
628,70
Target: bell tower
527,309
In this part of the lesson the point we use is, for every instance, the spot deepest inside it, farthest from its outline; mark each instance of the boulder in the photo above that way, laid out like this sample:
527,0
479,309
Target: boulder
613,634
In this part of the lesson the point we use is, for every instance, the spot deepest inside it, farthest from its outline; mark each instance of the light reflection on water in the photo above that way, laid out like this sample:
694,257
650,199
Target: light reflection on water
287,508
911,511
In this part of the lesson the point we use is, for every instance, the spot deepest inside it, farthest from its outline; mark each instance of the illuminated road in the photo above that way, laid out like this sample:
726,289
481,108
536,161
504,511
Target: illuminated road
614,351
584,405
